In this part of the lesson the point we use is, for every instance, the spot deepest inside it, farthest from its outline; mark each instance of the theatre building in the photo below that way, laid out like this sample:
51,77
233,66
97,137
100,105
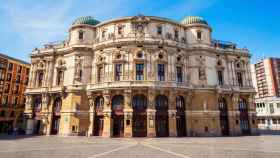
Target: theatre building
140,76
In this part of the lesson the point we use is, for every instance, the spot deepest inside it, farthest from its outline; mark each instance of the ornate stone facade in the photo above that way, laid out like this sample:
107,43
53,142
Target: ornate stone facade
140,76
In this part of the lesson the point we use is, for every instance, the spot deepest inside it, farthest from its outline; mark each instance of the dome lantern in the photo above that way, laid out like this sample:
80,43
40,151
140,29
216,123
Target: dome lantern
86,20
189,20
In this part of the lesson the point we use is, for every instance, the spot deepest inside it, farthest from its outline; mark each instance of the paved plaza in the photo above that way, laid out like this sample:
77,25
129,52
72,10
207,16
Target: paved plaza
189,147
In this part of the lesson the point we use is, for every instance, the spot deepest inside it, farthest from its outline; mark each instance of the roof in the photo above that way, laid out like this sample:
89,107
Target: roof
14,59
87,20
193,20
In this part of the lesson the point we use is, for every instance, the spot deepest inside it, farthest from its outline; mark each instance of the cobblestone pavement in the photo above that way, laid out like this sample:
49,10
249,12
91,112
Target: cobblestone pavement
83,147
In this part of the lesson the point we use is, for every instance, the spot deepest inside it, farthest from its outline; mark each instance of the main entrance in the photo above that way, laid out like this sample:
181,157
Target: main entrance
56,116
180,117
224,124
161,116
98,116
244,117
118,115
139,123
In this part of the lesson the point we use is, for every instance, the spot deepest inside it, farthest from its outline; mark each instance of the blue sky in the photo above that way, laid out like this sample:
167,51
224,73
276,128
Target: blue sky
31,23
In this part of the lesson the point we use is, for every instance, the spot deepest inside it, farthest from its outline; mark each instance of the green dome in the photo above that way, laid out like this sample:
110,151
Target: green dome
88,20
193,20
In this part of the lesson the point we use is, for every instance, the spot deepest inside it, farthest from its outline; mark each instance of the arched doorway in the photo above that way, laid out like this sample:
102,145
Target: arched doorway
117,115
98,116
56,115
244,117
161,116
139,123
180,116
224,123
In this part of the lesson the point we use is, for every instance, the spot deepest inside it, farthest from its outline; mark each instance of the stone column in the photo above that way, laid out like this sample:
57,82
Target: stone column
233,73
91,114
107,130
172,114
151,130
50,115
128,111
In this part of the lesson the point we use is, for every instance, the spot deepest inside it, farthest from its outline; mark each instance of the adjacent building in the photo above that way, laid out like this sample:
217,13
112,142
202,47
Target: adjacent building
266,79
13,81
140,76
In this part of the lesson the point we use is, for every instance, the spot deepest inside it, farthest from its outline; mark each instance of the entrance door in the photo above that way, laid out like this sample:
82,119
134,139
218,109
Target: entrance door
224,123
118,126
162,125
118,115
181,125
139,125
37,127
180,116
98,126
161,116
55,125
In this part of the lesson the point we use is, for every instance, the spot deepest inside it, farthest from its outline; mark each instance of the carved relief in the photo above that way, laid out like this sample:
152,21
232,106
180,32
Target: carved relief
78,69
139,24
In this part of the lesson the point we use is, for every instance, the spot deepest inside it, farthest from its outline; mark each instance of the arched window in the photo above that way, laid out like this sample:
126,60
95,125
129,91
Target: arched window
161,102
99,102
180,103
117,102
139,103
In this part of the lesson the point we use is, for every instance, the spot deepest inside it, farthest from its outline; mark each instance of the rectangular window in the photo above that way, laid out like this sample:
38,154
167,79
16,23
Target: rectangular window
18,79
139,71
176,34
239,79
5,100
10,67
100,74
19,69
159,30
120,30
220,78
118,72
161,74
103,34
27,71
9,77
7,88
16,89
179,74
198,35
278,105
271,108
81,35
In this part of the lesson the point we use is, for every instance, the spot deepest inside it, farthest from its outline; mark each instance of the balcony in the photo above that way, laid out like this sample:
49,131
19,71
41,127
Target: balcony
136,83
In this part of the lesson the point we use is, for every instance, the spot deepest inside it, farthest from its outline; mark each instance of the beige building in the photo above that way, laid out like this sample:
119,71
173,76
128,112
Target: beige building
266,79
140,76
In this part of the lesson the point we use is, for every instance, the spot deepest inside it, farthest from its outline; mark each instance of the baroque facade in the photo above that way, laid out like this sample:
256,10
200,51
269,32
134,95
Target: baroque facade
140,76
13,82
